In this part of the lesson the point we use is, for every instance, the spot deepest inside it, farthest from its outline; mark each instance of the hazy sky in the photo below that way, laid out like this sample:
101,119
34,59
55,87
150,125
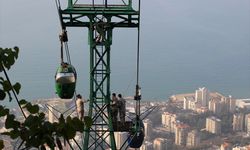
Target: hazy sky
185,44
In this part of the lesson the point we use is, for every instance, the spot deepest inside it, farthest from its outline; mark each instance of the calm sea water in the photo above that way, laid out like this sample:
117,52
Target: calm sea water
184,46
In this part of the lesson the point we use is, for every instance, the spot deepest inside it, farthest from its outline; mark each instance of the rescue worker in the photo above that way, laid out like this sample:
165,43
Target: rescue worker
114,108
122,108
80,106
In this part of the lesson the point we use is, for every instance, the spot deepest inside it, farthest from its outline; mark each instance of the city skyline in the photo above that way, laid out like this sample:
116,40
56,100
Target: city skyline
195,44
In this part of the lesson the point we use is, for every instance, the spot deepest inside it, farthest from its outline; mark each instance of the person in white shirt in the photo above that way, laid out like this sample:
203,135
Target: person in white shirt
121,108
80,106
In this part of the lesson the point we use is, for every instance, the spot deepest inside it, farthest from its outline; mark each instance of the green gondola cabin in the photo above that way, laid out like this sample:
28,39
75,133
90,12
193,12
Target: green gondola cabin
65,81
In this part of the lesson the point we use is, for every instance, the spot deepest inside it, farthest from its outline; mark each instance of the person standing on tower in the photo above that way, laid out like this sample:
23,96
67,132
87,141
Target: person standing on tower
80,106
122,108
114,108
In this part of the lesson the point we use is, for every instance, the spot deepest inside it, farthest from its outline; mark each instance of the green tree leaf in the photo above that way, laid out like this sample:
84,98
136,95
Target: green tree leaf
43,147
69,132
13,134
2,94
1,145
78,124
3,111
33,109
16,52
11,123
17,87
6,86
58,143
23,102
88,121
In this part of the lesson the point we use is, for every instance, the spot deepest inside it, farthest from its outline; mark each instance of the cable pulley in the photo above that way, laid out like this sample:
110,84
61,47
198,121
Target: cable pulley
65,78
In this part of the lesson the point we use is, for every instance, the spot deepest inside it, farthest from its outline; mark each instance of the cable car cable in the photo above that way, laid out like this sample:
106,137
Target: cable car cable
13,91
138,96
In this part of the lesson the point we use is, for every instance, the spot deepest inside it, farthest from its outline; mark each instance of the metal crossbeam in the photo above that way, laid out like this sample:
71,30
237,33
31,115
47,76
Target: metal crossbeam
100,19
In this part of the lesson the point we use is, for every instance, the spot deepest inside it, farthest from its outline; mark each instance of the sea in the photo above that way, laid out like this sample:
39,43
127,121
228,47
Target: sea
184,45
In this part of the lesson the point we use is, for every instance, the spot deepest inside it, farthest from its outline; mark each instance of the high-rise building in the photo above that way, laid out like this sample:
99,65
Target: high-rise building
181,131
229,104
147,146
243,103
215,106
213,125
161,144
51,114
120,139
189,103
168,121
202,96
247,147
247,123
147,128
232,104
238,122
193,138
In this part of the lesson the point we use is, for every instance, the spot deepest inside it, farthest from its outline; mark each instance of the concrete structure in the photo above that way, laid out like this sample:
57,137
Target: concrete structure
193,138
247,147
181,134
202,96
226,146
215,106
229,104
120,139
213,125
201,110
238,122
148,128
189,103
161,144
243,103
168,121
147,146
247,123
51,114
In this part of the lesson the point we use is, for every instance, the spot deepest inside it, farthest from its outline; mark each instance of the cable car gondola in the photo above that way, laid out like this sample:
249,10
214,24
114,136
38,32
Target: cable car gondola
65,81
136,137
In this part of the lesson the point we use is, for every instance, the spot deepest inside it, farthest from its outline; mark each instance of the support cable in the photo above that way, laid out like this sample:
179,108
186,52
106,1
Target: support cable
13,91
137,93
137,67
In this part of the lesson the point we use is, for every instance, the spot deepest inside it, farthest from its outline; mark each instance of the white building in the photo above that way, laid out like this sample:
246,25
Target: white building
238,122
215,106
169,121
213,125
120,140
247,123
148,128
193,138
51,114
243,103
202,96
189,103
160,144
229,103
241,147
181,134
147,146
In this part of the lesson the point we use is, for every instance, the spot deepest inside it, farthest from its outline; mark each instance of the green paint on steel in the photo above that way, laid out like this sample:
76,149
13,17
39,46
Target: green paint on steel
100,21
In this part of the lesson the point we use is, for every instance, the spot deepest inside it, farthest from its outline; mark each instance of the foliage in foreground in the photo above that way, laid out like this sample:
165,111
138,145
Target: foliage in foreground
35,131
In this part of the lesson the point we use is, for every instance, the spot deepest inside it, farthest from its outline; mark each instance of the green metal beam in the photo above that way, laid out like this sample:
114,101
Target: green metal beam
100,19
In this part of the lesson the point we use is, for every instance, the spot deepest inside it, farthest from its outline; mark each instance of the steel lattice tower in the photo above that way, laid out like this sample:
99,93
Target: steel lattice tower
100,18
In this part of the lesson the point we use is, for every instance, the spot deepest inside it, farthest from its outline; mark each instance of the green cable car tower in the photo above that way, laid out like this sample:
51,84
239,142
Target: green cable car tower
100,17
